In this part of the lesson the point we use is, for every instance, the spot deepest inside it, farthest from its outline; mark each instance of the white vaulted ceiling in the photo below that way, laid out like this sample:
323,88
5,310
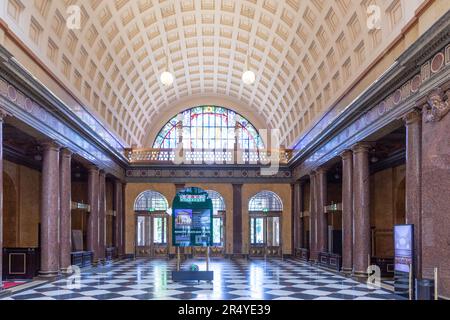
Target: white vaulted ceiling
305,54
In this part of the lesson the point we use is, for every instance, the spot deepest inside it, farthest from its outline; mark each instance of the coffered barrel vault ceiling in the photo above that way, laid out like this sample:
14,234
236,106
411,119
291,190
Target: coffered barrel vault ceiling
305,54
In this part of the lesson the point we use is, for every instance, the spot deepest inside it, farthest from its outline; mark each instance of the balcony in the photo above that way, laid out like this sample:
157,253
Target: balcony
148,156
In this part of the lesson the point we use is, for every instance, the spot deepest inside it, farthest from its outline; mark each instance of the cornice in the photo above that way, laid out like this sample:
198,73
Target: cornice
25,82
405,67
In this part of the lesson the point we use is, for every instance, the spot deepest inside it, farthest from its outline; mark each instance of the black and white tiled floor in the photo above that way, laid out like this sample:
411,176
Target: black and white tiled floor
149,279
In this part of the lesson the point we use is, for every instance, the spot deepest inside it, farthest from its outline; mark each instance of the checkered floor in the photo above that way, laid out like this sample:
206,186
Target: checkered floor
233,280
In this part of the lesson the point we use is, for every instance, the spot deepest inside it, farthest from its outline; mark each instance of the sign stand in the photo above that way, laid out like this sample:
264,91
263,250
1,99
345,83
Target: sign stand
178,258
207,258
192,215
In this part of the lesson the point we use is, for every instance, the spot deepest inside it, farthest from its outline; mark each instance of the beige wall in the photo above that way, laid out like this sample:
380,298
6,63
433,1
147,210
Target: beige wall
387,207
132,190
22,218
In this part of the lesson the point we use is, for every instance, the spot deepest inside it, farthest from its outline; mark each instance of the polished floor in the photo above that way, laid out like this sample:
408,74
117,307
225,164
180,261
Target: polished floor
149,279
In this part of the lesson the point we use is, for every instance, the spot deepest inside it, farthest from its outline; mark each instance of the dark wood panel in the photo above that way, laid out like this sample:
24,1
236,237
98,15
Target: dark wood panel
20,263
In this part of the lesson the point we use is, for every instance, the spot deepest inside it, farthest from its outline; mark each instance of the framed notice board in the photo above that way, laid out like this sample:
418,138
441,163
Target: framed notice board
192,218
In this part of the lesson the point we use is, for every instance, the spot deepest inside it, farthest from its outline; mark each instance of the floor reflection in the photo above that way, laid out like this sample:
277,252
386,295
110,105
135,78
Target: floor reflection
233,279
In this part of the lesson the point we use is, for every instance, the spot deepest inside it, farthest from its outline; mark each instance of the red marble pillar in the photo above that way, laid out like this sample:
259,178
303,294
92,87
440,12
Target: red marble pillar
361,209
123,220
413,183
50,210
119,218
237,220
300,234
92,232
65,227
102,216
312,218
321,198
2,116
347,211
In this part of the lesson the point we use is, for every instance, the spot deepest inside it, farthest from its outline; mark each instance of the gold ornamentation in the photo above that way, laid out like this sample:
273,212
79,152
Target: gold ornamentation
437,106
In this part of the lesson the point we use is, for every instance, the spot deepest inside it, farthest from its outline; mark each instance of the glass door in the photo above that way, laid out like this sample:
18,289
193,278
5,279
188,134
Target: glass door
265,233
151,235
159,234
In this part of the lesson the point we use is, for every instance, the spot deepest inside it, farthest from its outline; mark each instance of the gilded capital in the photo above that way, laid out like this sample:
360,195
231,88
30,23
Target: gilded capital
437,105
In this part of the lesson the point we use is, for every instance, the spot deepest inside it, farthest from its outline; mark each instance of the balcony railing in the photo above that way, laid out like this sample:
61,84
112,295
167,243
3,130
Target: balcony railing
202,156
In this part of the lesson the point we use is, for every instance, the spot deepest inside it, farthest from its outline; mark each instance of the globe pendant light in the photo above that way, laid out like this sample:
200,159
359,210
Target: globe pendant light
166,77
248,77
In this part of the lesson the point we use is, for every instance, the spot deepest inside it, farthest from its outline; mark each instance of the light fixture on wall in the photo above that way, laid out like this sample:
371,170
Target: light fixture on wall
166,77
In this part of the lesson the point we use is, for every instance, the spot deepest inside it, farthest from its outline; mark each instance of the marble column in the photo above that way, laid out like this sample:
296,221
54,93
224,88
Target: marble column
413,183
294,218
347,211
312,217
123,220
2,117
118,219
361,209
50,210
300,226
65,226
237,218
102,216
92,232
321,198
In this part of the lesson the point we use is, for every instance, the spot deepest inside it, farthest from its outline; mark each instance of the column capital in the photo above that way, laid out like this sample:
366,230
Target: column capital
3,115
50,145
437,105
413,116
362,147
346,154
321,170
102,172
92,168
66,152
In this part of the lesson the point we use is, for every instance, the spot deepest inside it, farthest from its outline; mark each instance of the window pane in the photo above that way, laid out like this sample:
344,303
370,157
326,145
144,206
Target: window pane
209,127
158,230
141,231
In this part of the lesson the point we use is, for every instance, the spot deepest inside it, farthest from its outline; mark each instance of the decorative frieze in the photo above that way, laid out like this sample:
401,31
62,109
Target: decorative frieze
84,147
437,107
213,174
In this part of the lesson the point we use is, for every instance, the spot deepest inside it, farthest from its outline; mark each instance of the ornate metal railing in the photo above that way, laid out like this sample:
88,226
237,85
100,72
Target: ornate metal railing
202,156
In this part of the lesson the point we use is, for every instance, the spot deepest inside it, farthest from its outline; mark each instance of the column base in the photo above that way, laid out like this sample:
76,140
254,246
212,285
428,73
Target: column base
359,274
347,271
48,274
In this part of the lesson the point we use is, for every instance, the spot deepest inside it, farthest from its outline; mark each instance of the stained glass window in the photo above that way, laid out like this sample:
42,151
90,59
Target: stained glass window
265,201
208,127
151,201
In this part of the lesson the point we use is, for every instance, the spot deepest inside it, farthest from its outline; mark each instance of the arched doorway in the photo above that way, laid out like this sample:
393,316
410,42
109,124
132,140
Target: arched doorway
151,224
265,210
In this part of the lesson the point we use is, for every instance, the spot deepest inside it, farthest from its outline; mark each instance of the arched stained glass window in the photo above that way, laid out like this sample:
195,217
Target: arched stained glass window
217,200
151,201
209,127
265,201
